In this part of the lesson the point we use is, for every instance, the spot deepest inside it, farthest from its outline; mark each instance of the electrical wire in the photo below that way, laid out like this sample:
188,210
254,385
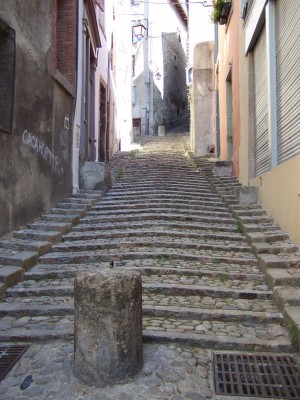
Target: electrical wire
205,3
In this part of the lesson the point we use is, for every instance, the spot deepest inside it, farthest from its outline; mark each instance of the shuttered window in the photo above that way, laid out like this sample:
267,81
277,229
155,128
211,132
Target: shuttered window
261,137
288,78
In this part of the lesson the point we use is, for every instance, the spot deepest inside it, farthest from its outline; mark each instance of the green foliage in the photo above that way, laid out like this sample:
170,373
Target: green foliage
293,333
134,153
223,278
217,11
164,257
119,175
239,226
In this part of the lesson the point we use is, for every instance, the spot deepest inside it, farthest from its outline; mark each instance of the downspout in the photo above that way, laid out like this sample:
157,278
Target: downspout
217,121
146,14
83,93
107,107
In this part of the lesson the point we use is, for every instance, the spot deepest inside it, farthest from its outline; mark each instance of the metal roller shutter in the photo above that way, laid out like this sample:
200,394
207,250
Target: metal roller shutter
288,77
261,138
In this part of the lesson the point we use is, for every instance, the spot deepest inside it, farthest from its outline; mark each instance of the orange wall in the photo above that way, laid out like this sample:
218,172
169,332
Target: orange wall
229,55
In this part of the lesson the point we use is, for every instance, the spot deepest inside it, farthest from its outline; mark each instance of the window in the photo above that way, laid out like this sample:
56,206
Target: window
133,95
7,76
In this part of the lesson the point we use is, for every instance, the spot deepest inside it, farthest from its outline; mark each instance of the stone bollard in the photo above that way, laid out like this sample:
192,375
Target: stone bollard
161,130
108,343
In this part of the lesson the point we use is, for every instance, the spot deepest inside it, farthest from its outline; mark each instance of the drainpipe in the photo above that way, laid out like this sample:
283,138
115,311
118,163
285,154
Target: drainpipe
147,49
218,147
83,92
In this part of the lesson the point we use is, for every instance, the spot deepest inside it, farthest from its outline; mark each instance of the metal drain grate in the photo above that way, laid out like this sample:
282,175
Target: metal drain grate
9,357
277,377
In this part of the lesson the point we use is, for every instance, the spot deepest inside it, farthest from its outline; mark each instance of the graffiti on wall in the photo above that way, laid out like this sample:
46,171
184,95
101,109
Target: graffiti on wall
43,151
64,144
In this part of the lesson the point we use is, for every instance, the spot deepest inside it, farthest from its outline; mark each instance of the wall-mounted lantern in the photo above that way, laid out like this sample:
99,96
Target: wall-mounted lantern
138,32
157,76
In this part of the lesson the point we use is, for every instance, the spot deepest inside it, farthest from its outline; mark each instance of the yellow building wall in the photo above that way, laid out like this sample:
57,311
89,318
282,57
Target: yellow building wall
279,195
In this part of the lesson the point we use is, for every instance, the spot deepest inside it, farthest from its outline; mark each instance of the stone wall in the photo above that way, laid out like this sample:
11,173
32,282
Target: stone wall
35,155
171,108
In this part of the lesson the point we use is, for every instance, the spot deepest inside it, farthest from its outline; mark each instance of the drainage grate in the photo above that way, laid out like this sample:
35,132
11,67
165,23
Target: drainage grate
9,357
275,376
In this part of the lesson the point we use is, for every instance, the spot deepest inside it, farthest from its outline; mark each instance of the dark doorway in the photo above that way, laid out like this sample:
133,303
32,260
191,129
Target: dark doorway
136,123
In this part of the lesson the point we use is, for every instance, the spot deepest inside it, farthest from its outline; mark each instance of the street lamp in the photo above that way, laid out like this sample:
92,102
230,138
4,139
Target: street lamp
138,32
157,76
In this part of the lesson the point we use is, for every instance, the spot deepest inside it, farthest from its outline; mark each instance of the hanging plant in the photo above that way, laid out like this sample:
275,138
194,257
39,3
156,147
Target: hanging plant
221,11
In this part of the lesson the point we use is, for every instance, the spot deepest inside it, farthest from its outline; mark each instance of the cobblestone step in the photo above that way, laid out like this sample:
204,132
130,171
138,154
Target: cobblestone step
74,205
256,219
70,218
64,287
92,196
30,234
167,307
153,194
158,232
157,253
175,224
94,219
161,210
81,200
24,259
10,275
162,182
51,226
222,271
171,204
207,334
161,188
178,243
69,211
247,339
149,267
266,237
40,247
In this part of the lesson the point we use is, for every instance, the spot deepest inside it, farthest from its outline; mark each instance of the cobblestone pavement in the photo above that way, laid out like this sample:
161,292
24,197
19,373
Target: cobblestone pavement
204,281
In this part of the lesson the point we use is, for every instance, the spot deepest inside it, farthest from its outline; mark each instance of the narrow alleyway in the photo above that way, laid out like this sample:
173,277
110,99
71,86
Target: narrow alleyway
201,281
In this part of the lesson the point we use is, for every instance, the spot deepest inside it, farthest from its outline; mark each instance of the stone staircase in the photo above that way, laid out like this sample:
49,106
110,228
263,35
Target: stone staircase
177,223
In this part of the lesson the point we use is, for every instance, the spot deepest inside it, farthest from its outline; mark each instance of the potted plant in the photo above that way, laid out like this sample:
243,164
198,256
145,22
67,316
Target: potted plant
221,11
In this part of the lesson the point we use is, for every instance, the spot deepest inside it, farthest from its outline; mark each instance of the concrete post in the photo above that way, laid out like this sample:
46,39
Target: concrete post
161,130
108,344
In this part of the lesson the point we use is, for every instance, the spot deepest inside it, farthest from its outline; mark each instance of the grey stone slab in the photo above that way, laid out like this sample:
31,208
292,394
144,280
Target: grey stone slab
286,296
262,248
282,277
24,259
72,219
51,226
40,247
10,275
266,261
29,234
217,343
